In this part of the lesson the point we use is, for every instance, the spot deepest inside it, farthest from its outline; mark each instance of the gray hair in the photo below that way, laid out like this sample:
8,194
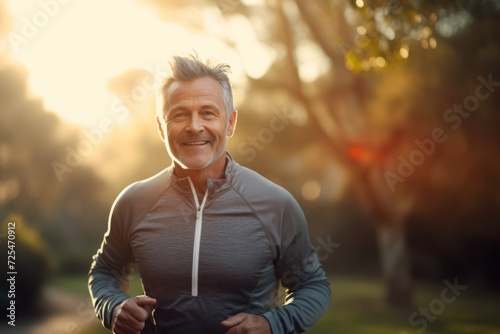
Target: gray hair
191,68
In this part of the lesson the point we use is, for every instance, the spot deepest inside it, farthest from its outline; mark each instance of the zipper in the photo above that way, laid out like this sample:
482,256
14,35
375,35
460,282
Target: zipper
197,238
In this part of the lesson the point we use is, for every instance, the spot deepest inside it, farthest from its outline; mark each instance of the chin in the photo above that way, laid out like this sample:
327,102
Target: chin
197,162
190,164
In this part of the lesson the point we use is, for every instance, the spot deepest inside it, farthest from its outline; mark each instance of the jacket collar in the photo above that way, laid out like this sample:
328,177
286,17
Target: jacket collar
213,185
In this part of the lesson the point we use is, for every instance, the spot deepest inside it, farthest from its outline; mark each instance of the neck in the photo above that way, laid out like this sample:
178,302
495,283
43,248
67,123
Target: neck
200,177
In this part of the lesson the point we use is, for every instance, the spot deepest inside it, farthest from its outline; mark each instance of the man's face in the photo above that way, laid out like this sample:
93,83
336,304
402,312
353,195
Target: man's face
197,125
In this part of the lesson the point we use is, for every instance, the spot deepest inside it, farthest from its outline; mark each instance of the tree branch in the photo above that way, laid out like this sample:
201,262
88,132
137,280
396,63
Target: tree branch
316,109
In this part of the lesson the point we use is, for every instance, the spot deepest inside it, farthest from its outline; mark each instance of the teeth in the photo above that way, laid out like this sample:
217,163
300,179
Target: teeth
196,143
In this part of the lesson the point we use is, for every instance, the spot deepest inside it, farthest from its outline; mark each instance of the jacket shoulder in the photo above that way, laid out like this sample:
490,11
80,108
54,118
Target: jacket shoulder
140,196
255,187
153,184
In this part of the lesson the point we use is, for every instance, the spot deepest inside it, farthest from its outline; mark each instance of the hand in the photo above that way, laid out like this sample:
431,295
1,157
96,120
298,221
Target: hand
247,323
129,317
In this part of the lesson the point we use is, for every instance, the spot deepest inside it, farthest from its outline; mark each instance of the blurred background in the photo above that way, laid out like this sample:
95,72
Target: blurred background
381,118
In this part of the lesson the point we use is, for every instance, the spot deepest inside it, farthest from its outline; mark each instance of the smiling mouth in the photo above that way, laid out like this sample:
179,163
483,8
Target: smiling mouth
197,143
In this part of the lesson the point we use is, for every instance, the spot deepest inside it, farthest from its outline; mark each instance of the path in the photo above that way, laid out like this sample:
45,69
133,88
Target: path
64,313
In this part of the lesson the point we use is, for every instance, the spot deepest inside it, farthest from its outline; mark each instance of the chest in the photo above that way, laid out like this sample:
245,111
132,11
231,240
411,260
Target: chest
232,254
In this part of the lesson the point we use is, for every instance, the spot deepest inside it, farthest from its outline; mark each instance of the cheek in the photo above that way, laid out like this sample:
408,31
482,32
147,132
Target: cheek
172,132
217,130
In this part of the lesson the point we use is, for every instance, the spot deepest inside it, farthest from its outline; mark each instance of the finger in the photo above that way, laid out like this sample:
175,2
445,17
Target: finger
143,306
127,325
131,311
235,320
128,322
143,301
126,329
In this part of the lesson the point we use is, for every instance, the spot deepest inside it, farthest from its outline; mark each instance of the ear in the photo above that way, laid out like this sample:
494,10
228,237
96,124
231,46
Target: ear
232,123
161,130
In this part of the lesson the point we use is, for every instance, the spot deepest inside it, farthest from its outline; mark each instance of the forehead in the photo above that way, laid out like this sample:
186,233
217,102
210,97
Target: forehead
201,88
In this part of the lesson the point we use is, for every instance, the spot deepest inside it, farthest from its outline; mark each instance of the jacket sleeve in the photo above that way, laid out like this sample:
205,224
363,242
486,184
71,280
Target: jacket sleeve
307,287
111,266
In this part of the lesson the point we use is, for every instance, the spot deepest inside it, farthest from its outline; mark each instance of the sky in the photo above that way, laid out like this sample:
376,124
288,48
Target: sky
72,48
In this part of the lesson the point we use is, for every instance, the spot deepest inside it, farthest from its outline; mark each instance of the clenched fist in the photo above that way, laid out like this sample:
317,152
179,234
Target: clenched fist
129,317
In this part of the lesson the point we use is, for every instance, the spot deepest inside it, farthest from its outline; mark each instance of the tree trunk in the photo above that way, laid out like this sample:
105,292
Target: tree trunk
335,129
395,263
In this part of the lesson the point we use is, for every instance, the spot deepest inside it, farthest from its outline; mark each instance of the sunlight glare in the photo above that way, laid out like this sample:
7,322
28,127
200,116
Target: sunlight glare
380,62
404,51
249,48
312,61
311,190
83,44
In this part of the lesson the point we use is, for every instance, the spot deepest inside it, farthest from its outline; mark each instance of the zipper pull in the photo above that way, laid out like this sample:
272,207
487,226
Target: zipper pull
198,213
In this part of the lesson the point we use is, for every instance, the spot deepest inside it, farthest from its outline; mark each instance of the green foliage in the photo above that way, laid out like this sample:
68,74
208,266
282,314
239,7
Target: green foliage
391,31
32,264
73,261
387,30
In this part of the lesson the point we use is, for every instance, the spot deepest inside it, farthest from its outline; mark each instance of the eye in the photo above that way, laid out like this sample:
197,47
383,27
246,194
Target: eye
207,113
179,114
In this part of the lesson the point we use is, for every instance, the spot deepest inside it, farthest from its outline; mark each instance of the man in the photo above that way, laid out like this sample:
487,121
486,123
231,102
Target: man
210,238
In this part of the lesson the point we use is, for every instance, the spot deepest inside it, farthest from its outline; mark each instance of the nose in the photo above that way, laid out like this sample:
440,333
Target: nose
195,124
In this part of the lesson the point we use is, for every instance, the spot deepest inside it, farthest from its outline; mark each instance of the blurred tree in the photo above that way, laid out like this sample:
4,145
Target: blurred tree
42,175
27,146
32,264
133,146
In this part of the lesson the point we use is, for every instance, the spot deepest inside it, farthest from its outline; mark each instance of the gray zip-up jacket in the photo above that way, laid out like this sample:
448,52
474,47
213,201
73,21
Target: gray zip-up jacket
206,259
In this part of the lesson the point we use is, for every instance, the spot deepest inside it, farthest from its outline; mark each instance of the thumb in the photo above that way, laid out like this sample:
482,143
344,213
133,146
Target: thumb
145,302
235,320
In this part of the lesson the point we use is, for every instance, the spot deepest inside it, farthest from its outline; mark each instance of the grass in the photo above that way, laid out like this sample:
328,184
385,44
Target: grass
357,308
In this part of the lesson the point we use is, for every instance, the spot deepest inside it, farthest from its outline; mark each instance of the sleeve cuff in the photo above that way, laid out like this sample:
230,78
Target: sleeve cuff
108,317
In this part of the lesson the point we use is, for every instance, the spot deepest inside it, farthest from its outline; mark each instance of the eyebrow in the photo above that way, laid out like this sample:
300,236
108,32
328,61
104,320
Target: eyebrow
177,107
